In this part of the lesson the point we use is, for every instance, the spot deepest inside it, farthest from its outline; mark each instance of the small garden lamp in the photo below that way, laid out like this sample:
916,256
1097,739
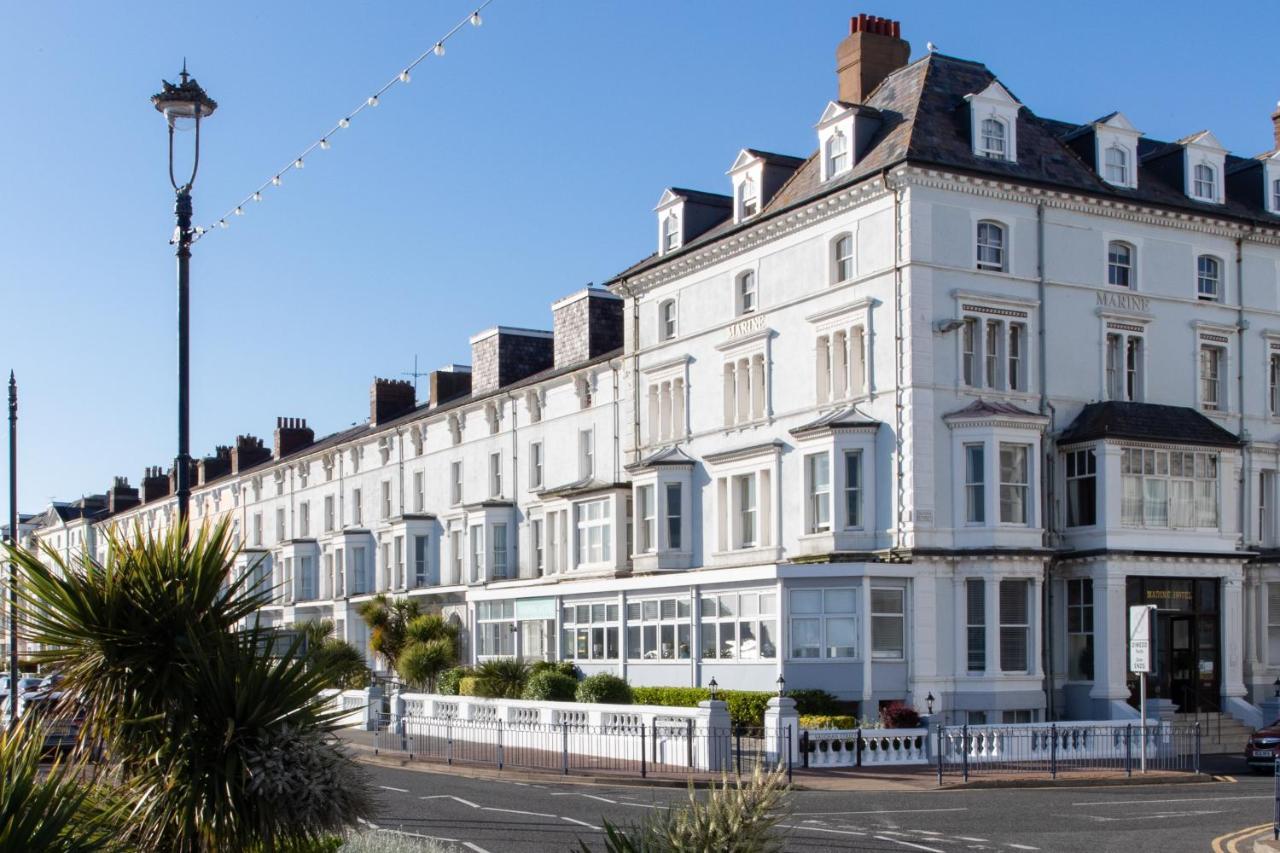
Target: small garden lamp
711,685
782,686
928,700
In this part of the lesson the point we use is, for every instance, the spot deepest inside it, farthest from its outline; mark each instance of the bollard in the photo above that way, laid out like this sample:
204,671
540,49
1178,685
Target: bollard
688,737
788,747
857,747
1053,750
643,769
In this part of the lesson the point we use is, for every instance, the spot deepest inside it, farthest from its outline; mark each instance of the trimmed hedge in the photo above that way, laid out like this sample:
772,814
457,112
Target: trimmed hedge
828,721
603,687
816,702
471,685
548,685
746,707
564,667
447,683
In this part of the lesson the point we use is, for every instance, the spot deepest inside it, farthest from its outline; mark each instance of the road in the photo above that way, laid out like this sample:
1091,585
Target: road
513,816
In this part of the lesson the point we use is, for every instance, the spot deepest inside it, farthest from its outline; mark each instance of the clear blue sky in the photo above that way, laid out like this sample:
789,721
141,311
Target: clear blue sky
512,171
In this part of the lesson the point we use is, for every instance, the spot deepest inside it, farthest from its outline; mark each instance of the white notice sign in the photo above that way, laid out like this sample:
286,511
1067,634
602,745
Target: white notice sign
1140,637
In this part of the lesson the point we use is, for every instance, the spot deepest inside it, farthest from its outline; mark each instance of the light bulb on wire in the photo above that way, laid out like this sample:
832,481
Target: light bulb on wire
404,76
324,145
439,48
297,164
344,123
222,223
239,211
257,196
475,18
373,100
275,182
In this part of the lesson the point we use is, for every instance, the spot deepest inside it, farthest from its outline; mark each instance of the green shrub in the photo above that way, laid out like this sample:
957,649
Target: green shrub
828,721
603,687
548,685
564,667
447,683
503,678
471,685
746,707
815,702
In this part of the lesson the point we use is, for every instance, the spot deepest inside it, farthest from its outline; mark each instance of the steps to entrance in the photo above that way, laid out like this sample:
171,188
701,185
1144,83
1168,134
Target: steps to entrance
1219,733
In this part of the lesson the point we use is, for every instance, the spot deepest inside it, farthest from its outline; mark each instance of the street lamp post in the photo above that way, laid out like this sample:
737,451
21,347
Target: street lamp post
13,543
183,106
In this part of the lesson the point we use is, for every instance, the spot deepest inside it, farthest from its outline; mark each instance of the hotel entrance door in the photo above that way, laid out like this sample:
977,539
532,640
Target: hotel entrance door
1184,654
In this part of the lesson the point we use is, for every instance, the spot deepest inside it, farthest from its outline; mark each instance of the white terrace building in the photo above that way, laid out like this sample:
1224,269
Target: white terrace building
919,414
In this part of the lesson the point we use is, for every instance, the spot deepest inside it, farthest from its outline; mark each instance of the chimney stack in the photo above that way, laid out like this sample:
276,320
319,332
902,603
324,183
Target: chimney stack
588,324
247,453
121,496
292,434
449,383
155,484
389,399
873,51
1275,124
212,467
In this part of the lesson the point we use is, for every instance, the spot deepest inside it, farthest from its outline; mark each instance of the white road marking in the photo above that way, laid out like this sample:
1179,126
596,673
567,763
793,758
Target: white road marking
908,844
451,797
516,811
645,805
820,829
397,790
588,796
1157,816
582,823
367,823
979,840
475,847
1019,846
882,811
1157,802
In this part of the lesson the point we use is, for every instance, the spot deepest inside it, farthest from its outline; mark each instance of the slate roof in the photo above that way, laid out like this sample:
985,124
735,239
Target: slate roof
667,456
991,408
702,197
925,121
848,417
1146,422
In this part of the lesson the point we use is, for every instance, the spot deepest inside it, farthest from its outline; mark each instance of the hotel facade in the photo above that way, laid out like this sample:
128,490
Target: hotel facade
920,414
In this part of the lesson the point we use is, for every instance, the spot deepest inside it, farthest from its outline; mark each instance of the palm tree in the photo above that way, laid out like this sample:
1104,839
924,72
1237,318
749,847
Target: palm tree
221,739
333,655
388,620
431,647
504,678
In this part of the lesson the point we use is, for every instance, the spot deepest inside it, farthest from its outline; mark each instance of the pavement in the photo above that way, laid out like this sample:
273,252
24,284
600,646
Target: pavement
498,813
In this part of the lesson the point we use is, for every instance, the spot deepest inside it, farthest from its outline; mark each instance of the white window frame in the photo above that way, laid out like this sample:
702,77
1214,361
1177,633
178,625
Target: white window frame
729,621
601,616
1116,173
993,138
646,518
1079,466
495,474
1151,478
842,258
838,160
1024,627
455,482
670,232
817,492
535,465
1204,182
1203,278
996,251
668,326
748,197
586,552
586,453
656,625
975,484
1122,266
1016,490
1211,375
419,491
829,611
746,293
1124,362
1080,627
880,615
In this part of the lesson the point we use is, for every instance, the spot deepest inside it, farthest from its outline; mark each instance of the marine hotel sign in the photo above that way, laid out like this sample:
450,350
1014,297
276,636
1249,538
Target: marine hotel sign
1124,301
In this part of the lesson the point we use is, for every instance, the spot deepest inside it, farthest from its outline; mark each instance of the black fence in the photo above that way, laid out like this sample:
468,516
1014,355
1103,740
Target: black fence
659,749
1060,748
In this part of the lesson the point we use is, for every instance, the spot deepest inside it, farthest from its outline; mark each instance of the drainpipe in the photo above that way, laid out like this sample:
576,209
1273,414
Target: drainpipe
513,541
900,487
617,439
1241,325
1048,516
635,368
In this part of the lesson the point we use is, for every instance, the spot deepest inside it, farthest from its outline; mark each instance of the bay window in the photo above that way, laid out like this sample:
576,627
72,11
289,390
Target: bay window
817,475
498,553
675,511
823,623
975,590
888,623
1163,488
852,489
1080,629
1082,487
738,626
975,489
647,524
594,523
659,629
1015,625
1015,484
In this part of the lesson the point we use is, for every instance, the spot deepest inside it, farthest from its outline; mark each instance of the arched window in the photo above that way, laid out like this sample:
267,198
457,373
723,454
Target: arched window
1120,264
1117,165
746,292
670,232
842,258
837,154
1208,278
1205,185
667,320
993,141
991,246
748,198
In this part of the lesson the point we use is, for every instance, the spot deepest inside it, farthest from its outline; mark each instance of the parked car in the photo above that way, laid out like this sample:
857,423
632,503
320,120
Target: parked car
1262,747
26,685
45,686
64,717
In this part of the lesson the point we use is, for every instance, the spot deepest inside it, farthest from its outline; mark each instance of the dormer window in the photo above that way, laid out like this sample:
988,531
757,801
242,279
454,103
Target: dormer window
993,141
1275,196
837,154
748,198
667,320
746,292
1205,183
1117,166
670,232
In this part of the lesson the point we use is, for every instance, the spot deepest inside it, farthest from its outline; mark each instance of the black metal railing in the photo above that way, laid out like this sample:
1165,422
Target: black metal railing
1060,748
657,749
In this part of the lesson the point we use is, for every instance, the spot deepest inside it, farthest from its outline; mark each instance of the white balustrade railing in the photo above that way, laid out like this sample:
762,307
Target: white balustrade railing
1062,741
879,747
351,703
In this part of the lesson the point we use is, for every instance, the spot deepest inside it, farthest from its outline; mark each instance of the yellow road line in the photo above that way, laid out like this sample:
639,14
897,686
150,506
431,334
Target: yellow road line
1229,843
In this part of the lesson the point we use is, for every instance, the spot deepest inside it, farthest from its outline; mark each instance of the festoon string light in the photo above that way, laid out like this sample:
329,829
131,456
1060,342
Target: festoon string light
324,142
